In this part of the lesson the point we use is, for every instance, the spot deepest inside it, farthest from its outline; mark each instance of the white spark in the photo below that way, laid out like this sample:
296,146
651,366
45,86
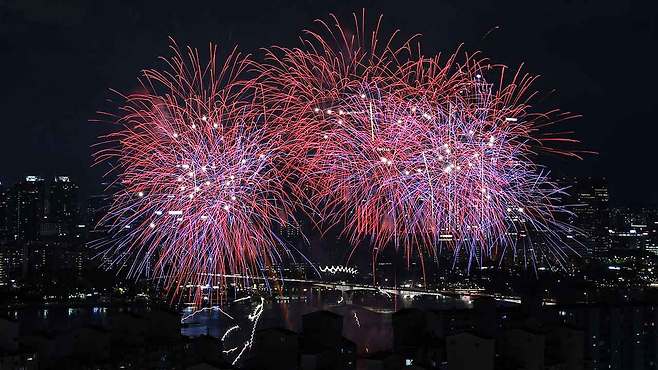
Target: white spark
254,317
356,318
229,330
213,308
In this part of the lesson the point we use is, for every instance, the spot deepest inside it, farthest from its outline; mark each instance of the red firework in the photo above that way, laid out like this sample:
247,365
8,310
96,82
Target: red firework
415,151
199,186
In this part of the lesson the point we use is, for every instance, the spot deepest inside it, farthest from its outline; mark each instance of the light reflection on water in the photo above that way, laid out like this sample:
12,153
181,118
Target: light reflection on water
367,322
56,318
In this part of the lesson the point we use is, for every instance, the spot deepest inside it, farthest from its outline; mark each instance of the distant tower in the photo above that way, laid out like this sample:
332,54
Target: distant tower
60,209
4,277
4,214
97,206
592,214
26,203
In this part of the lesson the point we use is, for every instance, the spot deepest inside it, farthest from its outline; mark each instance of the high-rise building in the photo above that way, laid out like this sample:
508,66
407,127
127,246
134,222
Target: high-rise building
632,229
4,213
26,202
589,203
37,221
652,230
34,209
4,278
60,209
13,259
97,206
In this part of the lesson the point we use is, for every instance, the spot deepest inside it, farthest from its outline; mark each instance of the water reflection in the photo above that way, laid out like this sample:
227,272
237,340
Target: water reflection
366,316
366,320
57,318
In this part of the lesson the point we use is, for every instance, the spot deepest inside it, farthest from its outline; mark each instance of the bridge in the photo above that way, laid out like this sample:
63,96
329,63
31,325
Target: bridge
347,289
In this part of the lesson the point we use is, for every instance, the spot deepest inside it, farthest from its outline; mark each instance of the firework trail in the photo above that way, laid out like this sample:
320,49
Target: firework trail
242,342
229,330
199,190
413,151
356,319
253,317
205,309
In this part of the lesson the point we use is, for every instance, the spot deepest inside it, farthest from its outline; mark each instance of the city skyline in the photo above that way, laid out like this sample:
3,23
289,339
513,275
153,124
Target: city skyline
587,317
47,209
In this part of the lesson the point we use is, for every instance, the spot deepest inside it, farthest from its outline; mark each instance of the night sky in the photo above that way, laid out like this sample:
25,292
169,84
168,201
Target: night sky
60,58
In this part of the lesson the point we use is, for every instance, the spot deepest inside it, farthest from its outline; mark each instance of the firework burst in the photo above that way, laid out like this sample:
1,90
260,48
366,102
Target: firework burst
199,191
418,152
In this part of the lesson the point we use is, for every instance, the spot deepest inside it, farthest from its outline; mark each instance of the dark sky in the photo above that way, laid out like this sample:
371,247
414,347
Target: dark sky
59,59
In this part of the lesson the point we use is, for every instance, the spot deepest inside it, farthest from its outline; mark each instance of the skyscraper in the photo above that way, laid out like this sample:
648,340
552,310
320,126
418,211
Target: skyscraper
35,209
96,208
60,209
589,204
633,229
4,214
26,200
